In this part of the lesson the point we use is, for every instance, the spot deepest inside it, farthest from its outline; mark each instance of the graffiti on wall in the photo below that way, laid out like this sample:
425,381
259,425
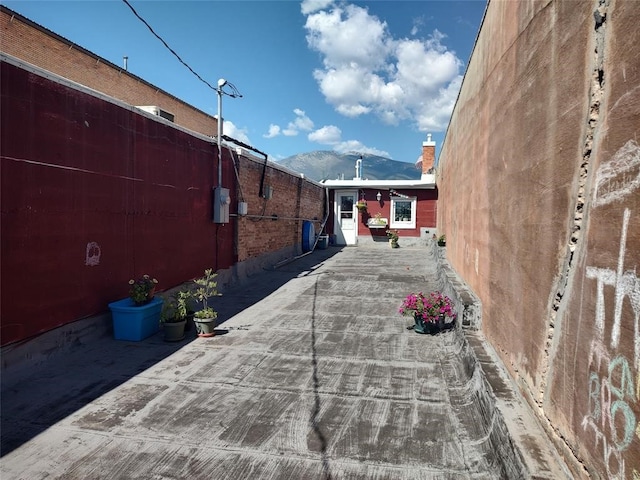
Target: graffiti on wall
614,375
619,177
92,257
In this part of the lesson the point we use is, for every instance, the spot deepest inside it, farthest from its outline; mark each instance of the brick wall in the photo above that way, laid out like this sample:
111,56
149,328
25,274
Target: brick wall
28,41
276,223
94,193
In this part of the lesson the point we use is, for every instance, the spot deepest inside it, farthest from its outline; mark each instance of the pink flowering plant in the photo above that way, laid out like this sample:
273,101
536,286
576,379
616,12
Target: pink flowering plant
428,307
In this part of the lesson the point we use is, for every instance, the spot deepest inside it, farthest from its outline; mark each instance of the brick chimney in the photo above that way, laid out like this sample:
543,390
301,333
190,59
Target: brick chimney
428,155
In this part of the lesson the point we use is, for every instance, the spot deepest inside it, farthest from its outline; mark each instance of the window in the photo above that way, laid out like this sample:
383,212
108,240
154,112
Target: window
403,212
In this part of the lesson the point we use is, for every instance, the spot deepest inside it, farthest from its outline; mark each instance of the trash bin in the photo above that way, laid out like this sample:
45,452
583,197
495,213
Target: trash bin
323,241
308,236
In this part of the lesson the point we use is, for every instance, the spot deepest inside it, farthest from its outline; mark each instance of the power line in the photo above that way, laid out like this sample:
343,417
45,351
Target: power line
168,47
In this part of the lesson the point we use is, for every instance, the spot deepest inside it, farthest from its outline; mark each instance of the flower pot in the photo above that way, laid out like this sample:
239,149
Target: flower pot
174,331
323,242
422,326
189,326
205,326
135,323
393,244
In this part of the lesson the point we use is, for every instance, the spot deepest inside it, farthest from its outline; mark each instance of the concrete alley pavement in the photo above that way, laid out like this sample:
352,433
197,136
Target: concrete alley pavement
313,375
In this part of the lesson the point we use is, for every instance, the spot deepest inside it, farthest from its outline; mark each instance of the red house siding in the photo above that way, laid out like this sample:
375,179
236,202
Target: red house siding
426,210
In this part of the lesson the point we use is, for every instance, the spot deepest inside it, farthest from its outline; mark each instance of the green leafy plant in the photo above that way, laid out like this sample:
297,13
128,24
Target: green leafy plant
442,240
393,236
377,220
142,289
206,288
175,306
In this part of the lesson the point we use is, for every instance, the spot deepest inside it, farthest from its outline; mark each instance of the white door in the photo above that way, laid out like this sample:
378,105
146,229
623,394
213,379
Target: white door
346,217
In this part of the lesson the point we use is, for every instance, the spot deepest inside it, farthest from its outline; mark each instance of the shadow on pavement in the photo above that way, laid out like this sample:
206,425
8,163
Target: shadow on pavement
315,415
33,398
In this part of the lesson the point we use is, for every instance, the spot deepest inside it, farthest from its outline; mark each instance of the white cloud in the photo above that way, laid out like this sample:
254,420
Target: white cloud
301,123
230,130
332,135
327,135
357,147
423,66
274,131
418,23
348,36
366,71
310,6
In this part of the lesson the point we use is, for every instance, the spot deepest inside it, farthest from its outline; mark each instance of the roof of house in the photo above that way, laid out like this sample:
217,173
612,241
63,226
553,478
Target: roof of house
426,182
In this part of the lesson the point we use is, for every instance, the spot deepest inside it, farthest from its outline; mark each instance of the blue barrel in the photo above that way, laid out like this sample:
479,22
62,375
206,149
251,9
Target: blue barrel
308,236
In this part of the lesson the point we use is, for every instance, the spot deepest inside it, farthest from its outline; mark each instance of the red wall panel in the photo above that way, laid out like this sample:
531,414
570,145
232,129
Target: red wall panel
80,177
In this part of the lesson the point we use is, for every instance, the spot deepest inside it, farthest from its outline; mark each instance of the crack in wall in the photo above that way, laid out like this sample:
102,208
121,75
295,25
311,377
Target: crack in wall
596,94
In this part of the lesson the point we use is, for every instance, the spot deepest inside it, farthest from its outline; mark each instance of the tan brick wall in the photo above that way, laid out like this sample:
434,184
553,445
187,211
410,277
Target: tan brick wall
31,43
540,202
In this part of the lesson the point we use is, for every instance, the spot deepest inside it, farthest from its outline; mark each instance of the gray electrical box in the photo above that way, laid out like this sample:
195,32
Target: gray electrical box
221,201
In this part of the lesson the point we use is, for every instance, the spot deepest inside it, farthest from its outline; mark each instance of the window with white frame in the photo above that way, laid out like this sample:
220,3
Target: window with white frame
403,212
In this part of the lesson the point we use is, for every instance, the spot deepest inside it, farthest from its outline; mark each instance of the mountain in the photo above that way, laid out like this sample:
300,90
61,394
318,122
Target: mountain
329,165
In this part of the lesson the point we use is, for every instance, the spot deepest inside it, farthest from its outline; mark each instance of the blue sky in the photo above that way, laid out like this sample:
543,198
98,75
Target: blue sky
351,76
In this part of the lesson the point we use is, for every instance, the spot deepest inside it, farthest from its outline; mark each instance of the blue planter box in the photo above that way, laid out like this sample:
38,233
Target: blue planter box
134,323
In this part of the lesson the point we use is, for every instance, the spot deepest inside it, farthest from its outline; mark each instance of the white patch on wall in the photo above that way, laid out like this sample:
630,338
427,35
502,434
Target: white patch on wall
618,177
92,257
477,260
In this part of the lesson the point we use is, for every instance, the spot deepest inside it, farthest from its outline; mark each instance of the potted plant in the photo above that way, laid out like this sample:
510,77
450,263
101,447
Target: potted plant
393,238
429,311
142,290
191,310
442,241
361,205
137,316
174,315
377,221
205,319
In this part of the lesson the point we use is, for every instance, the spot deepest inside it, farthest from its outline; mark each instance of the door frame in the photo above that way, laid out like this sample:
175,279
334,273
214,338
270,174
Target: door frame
337,228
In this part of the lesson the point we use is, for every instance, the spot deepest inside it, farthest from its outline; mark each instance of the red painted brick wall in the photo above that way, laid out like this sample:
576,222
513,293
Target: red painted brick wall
94,193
